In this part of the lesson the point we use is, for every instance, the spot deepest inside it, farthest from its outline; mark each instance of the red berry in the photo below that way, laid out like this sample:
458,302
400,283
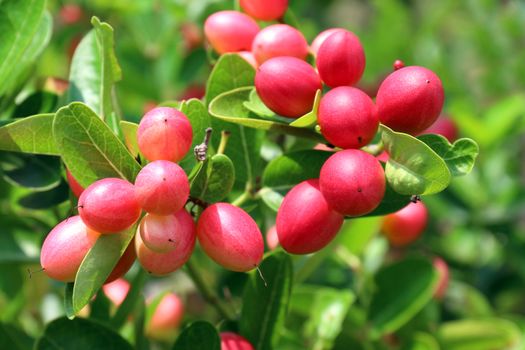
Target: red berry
230,31
117,290
398,64
287,86
164,133
109,205
320,38
166,317
348,117
341,59
233,341
75,187
445,127
230,237
352,182
65,247
305,222
162,187
443,277
279,40
71,14
410,99
272,239
164,263
265,10
406,225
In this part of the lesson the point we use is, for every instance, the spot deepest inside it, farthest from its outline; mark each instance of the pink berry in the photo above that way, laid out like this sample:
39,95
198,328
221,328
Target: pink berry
75,187
398,64
445,127
230,31
160,233
341,59
230,237
233,341
164,263
348,117
249,57
287,86
124,264
166,317
265,10
65,247
279,40
305,222
410,99
117,290
162,187
406,225
272,239
164,133
320,38
443,277
109,205
352,182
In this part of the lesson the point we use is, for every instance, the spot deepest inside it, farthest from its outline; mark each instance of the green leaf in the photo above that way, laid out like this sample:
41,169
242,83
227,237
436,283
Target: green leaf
391,202
68,300
257,106
94,72
13,338
200,120
46,199
481,334
309,119
403,289
36,172
271,198
129,130
98,264
215,181
413,167
39,102
459,157
29,135
20,21
80,334
422,341
89,148
264,306
199,335
229,107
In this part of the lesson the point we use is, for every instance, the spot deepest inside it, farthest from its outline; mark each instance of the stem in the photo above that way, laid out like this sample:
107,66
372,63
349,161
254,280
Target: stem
246,195
207,292
225,135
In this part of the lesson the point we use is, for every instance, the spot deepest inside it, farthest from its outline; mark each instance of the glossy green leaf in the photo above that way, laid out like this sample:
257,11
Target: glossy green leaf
20,21
264,306
36,172
13,338
29,135
459,157
199,335
215,181
200,120
68,300
98,264
80,334
271,198
479,334
403,289
89,148
309,119
40,102
413,167
257,106
129,130
46,199
391,202
229,107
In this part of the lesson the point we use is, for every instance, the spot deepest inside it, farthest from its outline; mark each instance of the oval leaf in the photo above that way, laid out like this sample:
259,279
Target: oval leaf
215,180
29,135
264,306
199,335
200,120
89,148
413,167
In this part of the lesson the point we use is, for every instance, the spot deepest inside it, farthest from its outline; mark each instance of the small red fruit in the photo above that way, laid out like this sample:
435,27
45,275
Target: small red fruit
75,187
164,133
341,59
230,237
265,10
230,31
410,99
287,86
279,40
109,205
406,225
445,127
71,14
398,64
166,317
233,341
348,117
117,290
443,277
320,38
352,182
305,222
272,239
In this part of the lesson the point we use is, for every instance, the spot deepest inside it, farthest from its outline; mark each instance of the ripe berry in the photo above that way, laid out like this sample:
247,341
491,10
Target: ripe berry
341,59
109,205
117,290
348,117
164,133
443,277
279,40
230,237
124,264
75,187
230,31
406,225
272,239
65,247
233,341
166,317
320,38
410,99
265,10
287,86
305,222
164,263
162,187
352,182
445,127
160,233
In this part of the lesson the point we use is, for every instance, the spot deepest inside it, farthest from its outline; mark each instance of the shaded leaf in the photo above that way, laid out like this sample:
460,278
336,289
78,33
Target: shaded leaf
199,335
39,102
46,199
36,172
13,338
215,181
